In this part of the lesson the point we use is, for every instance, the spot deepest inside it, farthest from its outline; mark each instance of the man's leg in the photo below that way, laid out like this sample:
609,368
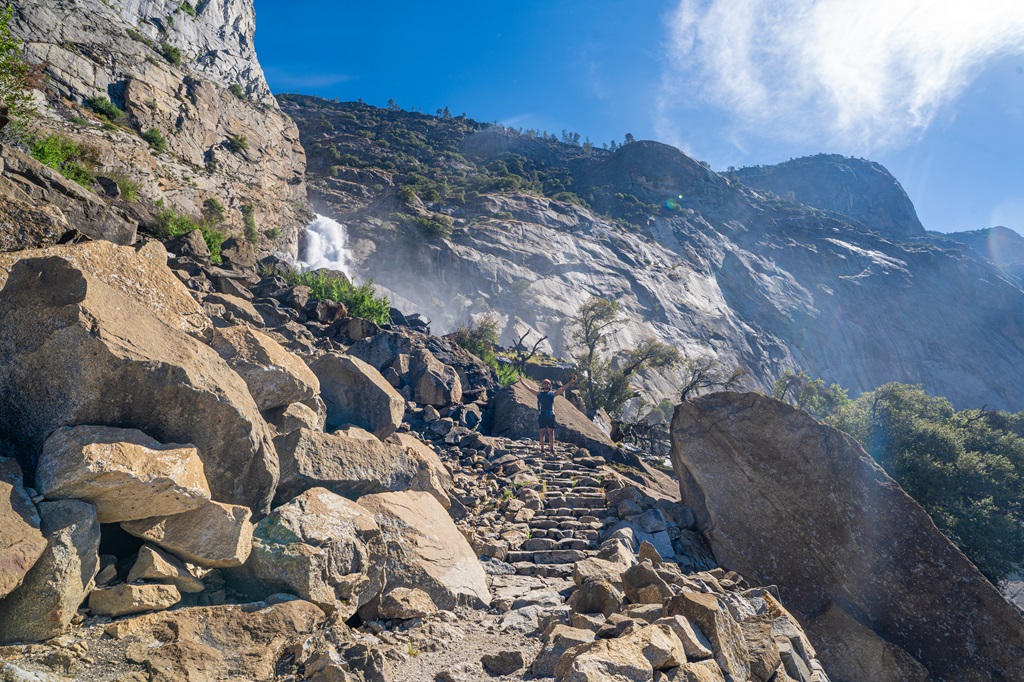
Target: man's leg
551,440
542,432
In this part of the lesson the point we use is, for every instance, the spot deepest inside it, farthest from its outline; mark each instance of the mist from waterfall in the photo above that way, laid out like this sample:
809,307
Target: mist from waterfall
324,244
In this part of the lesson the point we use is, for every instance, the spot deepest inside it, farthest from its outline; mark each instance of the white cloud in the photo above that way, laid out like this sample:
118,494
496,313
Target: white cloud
866,73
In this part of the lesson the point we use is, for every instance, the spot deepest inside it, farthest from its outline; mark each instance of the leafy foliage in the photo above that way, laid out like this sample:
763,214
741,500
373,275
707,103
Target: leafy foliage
435,225
238,91
237,143
67,157
129,188
700,374
173,224
965,468
810,395
105,108
171,53
361,300
481,339
155,139
252,235
189,9
14,74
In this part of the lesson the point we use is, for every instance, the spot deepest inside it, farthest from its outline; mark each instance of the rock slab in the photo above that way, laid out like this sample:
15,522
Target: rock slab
841,532
21,542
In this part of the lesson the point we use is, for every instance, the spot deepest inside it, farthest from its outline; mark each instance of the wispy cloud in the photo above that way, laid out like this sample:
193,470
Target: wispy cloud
865,73
282,79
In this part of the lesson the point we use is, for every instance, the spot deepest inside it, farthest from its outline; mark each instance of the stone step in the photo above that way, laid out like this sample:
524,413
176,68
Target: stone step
559,556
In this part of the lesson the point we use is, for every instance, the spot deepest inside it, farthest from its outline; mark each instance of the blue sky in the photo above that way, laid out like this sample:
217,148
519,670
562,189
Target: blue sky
932,90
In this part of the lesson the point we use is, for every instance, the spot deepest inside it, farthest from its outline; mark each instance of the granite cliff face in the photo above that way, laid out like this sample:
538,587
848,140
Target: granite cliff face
188,72
860,190
696,259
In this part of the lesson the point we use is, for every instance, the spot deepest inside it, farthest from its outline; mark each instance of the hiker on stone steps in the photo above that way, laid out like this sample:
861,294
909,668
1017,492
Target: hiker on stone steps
546,408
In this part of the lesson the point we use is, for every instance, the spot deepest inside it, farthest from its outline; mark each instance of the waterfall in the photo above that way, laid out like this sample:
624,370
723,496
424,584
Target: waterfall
324,244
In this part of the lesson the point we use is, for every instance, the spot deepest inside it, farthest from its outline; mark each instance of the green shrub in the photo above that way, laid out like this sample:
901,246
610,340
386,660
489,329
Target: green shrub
174,224
407,195
478,338
238,91
213,211
433,225
15,74
237,143
155,139
171,53
65,156
361,300
141,37
188,9
129,188
105,108
273,233
252,235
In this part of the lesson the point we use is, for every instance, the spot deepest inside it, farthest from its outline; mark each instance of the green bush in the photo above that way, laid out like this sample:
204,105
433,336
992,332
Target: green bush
238,91
479,338
105,108
129,188
433,226
15,92
252,235
188,9
171,53
507,374
213,211
155,139
65,156
174,224
237,143
361,300
141,37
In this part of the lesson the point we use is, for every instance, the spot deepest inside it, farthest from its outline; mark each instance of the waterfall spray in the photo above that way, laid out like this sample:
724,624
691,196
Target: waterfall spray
324,244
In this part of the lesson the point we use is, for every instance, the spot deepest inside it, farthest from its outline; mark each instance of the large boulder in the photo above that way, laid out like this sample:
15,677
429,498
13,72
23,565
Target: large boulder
47,601
426,551
275,376
124,472
21,542
76,350
817,517
433,382
215,535
349,462
320,547
24,225
236,642
357,394
431,475
515,416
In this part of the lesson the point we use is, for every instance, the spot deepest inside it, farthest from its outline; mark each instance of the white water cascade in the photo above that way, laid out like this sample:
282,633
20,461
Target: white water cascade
324,244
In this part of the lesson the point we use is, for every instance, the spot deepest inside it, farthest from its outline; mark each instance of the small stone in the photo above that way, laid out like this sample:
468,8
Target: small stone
404,603
154,564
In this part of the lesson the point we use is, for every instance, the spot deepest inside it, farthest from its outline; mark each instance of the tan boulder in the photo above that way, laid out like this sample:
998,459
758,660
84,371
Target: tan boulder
44,605
215,535
320,547
659,645
606,660
124,472
431,475
426,551
695,644
712,616
700,671
560,638
126,599
349,462
21,542
824,548
77,350
434,382
275,376
155,565
139,272
355,393
235,642
405,603
294,416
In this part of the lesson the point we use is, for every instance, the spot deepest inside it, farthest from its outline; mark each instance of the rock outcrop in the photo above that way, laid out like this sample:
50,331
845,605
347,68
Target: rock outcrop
76,350
356,393
215,535
193,77
789,501
858,189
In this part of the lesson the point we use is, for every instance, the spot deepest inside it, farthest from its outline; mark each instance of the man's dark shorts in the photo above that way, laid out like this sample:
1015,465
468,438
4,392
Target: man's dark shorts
547,421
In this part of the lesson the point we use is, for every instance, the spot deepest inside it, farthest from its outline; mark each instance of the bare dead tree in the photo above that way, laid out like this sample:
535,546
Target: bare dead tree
704,373
522,356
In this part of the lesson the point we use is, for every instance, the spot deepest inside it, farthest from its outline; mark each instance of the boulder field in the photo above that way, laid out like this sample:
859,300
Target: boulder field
789,501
